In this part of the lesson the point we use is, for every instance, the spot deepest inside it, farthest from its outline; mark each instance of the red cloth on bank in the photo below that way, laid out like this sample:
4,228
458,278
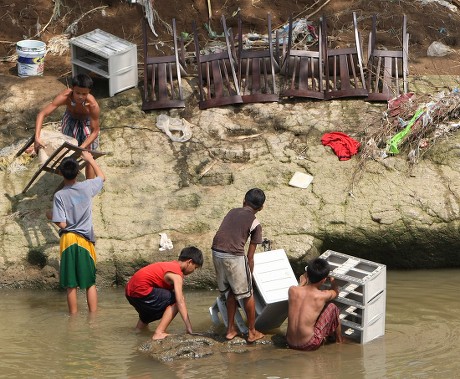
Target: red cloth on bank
344,146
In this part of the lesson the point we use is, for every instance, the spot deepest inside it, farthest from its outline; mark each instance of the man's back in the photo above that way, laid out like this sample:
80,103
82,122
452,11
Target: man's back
305,305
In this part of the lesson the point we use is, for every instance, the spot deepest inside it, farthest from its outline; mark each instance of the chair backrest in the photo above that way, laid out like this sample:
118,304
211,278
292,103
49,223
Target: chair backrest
217,79
344,67
163,75
387,70
303,69
53,162
256,69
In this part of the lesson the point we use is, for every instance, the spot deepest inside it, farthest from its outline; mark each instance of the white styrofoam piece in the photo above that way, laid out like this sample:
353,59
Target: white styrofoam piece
301,180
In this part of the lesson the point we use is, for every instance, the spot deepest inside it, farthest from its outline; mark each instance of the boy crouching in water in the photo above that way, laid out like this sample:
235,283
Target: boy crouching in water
311,319
156,291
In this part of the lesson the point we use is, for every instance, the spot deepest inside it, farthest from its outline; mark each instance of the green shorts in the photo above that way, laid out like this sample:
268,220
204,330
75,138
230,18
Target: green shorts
78,262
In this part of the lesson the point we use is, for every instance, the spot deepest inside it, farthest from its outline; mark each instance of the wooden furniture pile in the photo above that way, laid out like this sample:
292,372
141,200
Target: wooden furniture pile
247,74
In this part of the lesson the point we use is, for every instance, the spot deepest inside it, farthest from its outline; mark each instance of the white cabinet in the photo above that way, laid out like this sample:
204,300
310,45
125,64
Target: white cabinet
362,296
106,55
273,276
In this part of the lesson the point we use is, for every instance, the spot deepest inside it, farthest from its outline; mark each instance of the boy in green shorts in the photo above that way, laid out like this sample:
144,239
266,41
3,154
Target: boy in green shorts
73,215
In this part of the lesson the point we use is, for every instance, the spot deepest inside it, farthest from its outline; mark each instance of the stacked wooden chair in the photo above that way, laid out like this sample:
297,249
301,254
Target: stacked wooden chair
256,69
344,68
163,75
387,70
303,69
53,162
217,78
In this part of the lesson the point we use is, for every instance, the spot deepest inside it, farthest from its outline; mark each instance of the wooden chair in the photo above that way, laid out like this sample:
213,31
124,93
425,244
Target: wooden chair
303,69
163,75
55,159
344,68
387,70
217,70
256,69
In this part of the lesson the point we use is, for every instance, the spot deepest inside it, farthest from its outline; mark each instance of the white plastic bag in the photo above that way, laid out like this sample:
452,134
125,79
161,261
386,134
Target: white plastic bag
165,242
178,130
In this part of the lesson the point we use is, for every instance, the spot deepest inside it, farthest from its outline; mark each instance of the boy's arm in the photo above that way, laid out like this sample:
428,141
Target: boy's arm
94,112
334,291
177,282
251,250
59,100
86,155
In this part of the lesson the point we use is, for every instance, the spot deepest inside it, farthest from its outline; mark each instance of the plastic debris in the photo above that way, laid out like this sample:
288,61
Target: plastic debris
178,130
165,242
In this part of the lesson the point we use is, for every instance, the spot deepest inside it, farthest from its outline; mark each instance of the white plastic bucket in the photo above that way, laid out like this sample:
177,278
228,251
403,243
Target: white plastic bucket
31,57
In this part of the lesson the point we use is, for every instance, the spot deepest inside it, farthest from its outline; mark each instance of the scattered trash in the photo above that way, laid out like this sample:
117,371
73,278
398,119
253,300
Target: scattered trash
59,45
423,120
438,49
446,4
266,244
396,140
165,242
236,12
302,30
212,33
178,130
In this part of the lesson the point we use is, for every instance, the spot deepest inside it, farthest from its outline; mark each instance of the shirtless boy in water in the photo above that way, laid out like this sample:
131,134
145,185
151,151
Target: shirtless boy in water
310,317
81,118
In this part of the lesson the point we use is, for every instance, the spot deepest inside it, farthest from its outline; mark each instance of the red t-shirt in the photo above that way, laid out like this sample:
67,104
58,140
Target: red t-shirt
152,276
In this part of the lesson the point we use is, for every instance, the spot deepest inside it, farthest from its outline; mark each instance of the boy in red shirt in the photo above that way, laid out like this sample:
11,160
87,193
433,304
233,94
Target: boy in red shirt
156,291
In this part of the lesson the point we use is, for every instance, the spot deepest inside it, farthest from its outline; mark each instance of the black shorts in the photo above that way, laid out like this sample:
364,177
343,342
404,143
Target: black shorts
152,306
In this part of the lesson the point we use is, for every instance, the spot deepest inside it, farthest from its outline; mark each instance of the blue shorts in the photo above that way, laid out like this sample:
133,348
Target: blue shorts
152,306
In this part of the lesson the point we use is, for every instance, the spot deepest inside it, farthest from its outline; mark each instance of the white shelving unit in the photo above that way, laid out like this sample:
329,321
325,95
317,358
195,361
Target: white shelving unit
362,296
108,56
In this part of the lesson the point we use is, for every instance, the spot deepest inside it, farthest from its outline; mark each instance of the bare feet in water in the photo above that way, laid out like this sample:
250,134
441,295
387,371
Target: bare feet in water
231,334
159,336
254,336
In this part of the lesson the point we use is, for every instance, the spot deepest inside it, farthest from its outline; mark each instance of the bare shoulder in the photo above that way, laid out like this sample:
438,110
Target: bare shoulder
328,295
92,104
63,97
293,290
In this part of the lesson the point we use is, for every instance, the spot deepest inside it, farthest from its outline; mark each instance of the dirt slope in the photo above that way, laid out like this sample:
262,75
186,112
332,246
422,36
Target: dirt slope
22,19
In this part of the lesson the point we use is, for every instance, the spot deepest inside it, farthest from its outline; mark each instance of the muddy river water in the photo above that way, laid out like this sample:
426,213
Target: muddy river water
39,340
